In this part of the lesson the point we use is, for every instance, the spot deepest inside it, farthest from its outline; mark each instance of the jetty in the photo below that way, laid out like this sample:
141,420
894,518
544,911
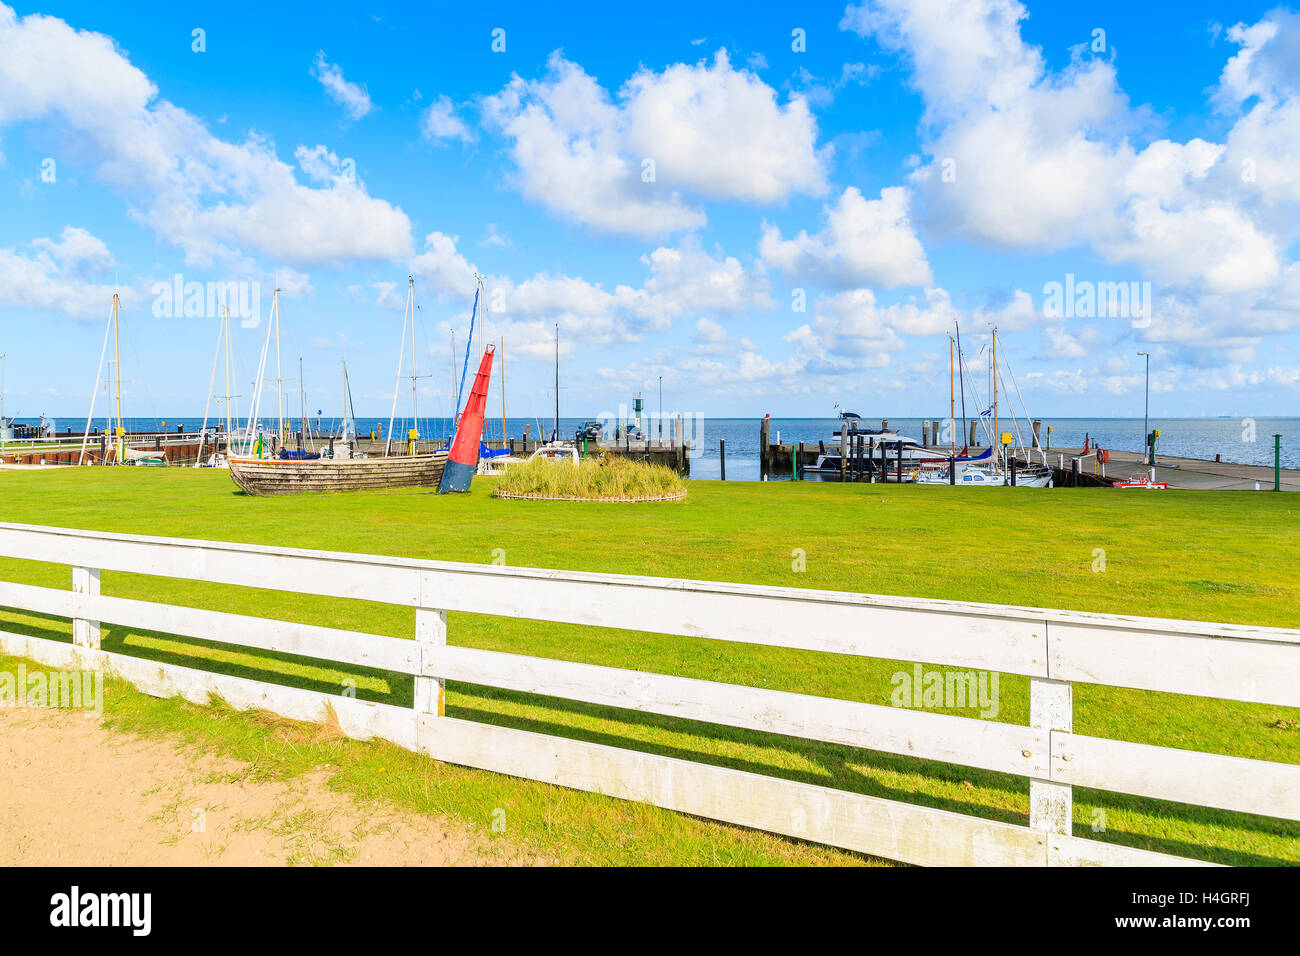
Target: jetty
1071,467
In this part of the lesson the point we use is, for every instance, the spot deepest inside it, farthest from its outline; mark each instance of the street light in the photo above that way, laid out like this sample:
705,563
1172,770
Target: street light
1146,408
661,410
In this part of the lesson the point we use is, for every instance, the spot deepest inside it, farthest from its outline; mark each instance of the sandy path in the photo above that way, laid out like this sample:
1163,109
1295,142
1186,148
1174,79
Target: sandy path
75,793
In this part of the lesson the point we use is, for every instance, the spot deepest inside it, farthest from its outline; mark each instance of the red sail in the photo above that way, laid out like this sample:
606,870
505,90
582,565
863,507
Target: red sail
462,461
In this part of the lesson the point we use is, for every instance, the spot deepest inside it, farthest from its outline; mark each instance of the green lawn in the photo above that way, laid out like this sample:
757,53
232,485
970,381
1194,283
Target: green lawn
1230,556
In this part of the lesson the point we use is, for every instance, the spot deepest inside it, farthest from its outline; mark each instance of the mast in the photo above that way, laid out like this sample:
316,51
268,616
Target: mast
279,375
961,381
212,384
94,392
225,325
557,381
397,382
997,437
410,304
117,376
952,401
2,402
501,354
302,402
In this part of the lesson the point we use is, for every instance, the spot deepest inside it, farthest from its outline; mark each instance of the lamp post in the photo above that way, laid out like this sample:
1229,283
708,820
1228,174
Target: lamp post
1146,408
661,409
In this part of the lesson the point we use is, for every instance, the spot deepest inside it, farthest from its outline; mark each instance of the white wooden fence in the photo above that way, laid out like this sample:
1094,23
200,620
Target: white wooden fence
1052,648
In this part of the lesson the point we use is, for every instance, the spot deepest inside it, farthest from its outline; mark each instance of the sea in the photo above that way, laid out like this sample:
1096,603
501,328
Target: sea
1244,440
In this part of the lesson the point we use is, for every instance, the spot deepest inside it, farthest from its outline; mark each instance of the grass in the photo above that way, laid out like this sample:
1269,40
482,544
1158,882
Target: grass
609,478
1221,556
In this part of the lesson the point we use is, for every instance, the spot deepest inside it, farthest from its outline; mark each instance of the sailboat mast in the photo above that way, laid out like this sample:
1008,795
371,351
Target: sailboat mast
279,375
997,436
501,354
302,400
207,406
117,376
952,401
225,335
557,381
397,384
410,304
961,381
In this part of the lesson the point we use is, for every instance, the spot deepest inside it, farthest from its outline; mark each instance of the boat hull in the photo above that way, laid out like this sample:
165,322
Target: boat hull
288,477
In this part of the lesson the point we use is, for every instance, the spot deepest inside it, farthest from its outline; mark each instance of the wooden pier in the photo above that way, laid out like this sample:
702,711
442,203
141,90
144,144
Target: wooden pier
1070,466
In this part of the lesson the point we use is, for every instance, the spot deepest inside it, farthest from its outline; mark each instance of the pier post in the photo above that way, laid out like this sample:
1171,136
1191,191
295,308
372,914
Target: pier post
1038,427
1012,468
798,460
844,448
679,439
1277,462
764,449
952,471
722,457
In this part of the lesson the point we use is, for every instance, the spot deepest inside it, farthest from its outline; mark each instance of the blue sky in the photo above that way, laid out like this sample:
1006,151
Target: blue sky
911,165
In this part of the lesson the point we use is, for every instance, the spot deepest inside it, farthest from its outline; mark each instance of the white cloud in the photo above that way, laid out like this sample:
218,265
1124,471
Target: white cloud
205,195
1027,158
57,276
76,250
683,281
686,278
353,98
494,238
720,132
710,130
440,122
864,242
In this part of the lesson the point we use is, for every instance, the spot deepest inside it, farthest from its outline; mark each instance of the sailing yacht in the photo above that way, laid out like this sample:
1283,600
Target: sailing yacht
894,446
994,466
257,475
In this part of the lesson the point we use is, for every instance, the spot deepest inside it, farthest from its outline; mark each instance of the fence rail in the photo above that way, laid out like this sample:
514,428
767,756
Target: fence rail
1052,648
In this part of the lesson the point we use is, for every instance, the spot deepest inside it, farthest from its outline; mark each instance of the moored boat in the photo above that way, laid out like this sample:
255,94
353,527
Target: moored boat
287,476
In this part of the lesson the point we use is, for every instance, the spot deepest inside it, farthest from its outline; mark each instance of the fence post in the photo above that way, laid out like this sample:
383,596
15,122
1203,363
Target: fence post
1051,707
431,632
85,633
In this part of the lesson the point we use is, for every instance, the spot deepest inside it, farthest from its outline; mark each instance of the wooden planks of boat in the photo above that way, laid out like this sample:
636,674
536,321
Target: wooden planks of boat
259,476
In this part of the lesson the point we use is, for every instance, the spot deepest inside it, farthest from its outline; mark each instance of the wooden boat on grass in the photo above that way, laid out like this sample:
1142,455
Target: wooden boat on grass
276,476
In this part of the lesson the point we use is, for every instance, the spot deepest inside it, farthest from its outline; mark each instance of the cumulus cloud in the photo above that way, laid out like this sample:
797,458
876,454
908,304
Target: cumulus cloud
621,165
439,122
353,98
1028,158
208,196
58,276
864,242
682,281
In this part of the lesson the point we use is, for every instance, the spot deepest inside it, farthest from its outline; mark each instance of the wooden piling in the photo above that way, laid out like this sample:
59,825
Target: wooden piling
722,458
764,447
844,448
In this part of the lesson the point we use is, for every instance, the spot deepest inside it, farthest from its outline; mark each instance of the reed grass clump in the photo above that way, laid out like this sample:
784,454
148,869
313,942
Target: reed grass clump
603,479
